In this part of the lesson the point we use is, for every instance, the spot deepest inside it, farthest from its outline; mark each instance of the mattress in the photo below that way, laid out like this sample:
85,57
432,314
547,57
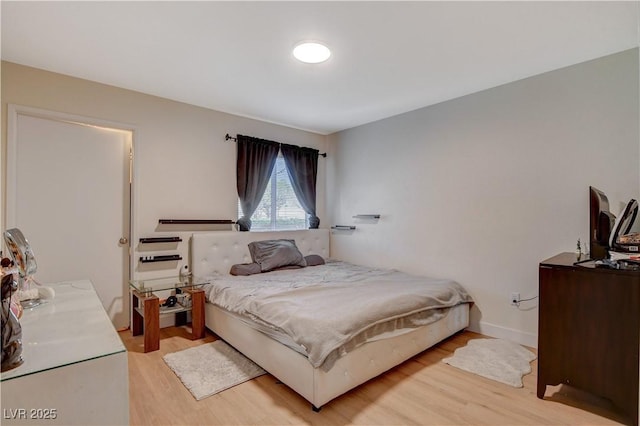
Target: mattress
324,312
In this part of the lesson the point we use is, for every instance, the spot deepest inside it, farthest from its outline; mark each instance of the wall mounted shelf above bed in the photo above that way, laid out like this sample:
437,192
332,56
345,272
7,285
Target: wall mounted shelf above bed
343,227
196,222
170,226
367,216
160,240
162,258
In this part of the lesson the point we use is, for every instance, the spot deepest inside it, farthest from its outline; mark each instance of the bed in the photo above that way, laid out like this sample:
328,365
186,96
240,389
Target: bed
213,254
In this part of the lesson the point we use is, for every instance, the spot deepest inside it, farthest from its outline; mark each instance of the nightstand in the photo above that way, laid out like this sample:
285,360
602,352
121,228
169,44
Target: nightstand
146,309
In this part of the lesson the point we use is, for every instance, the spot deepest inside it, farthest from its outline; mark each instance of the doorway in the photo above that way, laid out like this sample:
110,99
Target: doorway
69,191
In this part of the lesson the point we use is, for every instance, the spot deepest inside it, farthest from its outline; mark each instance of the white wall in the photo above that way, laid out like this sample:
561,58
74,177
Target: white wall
482,188
184,167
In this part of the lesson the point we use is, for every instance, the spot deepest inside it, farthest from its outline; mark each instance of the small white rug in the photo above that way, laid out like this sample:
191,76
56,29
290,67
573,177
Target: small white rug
208,369
495,359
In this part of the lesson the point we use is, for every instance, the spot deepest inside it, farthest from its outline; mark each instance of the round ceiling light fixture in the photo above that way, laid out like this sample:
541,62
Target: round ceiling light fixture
311,52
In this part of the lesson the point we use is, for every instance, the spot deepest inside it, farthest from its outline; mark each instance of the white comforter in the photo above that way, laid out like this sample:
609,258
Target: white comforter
322,308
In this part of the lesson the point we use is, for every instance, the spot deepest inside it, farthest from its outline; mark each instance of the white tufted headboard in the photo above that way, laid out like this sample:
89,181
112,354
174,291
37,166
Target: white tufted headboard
216,252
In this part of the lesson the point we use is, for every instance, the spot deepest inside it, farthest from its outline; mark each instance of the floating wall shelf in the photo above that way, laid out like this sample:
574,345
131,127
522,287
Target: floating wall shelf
367,216
163,258
160,240
195,222
343,227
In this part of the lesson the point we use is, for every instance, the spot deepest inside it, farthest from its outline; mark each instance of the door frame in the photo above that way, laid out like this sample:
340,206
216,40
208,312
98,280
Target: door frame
14,111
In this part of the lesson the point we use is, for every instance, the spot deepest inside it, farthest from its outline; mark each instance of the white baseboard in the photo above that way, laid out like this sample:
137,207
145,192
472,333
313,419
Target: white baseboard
518,336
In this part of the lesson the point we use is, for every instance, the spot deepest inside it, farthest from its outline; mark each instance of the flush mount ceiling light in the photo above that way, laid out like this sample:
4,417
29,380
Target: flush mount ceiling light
311,52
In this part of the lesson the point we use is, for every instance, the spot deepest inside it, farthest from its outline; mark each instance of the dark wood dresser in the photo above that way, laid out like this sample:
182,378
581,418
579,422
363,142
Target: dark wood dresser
588,330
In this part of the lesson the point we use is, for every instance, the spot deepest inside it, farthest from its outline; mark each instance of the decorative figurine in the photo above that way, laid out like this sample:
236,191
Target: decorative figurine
579,250
11,329
16,275
23,258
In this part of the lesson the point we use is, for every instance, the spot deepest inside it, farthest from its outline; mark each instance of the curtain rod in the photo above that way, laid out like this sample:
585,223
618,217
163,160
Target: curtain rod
229,137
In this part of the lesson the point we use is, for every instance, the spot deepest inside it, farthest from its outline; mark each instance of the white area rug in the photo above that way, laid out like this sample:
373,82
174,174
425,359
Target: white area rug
495,359
208,369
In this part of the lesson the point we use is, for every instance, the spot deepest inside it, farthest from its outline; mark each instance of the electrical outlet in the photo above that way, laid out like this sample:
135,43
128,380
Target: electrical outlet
515,298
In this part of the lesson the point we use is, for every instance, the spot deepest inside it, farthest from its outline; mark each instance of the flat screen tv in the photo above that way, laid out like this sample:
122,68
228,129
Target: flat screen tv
601,222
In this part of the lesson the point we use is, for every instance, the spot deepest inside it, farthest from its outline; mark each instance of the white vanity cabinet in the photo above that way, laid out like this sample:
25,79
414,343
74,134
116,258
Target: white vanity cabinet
75,369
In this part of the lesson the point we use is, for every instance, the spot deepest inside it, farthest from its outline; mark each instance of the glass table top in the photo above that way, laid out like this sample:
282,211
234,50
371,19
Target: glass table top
72,327
164,283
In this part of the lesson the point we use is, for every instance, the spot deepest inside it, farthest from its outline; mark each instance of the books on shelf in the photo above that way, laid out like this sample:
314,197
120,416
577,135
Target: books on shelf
617,255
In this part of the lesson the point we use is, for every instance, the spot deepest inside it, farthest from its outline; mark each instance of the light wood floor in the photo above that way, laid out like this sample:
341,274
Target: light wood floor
422,391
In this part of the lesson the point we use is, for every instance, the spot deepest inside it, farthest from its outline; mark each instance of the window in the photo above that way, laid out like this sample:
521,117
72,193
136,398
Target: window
279,208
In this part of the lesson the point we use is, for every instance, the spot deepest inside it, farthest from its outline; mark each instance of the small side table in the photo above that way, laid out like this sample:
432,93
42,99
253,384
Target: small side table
146,310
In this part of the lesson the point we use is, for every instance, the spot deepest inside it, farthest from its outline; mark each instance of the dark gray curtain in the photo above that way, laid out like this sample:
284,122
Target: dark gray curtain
302,166
256,158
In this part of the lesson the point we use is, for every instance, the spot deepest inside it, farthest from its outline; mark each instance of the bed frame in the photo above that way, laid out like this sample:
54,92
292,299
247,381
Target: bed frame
218,251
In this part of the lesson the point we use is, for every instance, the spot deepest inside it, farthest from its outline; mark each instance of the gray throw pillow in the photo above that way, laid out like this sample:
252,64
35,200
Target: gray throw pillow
314,260
245,269
272,254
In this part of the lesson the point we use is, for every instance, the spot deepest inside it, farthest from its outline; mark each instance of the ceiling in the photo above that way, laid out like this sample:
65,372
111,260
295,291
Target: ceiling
387,57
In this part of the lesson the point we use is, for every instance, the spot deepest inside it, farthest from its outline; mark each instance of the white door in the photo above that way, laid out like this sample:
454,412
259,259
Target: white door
71,196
